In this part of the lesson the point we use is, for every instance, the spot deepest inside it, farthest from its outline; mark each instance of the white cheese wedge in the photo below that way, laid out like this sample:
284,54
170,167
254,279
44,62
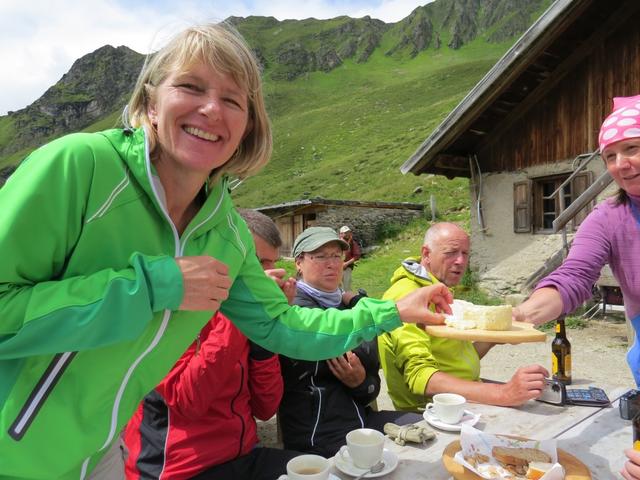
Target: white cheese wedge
488,317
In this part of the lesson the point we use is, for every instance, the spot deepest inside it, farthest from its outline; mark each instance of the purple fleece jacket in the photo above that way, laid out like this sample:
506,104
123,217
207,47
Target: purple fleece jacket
610,234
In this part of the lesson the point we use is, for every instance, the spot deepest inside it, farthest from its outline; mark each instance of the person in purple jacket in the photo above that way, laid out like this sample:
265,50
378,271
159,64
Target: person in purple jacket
610,234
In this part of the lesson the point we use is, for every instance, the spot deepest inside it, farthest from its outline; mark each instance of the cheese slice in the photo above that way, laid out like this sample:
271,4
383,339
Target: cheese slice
467,316
488,317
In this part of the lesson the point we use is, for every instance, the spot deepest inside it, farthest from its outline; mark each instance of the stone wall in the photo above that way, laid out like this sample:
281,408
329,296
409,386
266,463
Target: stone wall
503,259
366,223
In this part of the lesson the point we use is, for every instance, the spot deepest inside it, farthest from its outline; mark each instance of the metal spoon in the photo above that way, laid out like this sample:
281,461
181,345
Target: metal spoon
377,468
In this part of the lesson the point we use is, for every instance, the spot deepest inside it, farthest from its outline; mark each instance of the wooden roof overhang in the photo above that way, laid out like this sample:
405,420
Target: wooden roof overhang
313,204
563,36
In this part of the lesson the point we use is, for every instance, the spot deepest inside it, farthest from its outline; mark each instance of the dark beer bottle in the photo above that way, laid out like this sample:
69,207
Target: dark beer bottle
561,354
636,432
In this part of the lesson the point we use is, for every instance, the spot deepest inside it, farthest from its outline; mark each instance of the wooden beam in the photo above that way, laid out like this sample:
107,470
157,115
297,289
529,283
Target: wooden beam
451,162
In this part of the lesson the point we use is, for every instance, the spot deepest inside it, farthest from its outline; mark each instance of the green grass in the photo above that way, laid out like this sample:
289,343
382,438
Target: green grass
110,121
7,129
345,134
351,130
574,322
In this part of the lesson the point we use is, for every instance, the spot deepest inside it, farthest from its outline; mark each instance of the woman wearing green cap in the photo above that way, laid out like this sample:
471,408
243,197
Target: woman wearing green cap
325,400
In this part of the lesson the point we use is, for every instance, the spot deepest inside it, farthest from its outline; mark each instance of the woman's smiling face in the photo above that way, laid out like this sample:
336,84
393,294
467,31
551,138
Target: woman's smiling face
201,117
623,162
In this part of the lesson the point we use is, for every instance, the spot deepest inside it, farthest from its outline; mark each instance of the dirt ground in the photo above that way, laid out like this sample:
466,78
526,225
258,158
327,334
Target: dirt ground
598,353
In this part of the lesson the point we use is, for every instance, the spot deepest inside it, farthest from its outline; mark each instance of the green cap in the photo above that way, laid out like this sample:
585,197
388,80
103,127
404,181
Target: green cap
315,237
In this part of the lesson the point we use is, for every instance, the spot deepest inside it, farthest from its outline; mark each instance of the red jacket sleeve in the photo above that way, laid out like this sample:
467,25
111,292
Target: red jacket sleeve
265,386
191,385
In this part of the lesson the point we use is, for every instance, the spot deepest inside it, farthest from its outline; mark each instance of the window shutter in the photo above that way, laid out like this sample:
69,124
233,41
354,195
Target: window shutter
579,184
522,206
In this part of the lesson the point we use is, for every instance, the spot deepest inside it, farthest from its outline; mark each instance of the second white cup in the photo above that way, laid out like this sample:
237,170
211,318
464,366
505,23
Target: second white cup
365,447
308,467
448,407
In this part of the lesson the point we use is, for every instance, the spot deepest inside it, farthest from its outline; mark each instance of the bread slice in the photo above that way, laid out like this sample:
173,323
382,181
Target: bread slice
519,456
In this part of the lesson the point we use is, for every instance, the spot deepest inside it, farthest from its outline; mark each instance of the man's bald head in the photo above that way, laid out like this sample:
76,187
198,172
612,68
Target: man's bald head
445,252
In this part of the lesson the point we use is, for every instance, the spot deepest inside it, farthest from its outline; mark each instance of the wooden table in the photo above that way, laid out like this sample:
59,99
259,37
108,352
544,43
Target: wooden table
595,436
599,440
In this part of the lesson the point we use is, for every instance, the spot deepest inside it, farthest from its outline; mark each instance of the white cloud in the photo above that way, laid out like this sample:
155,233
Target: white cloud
395,10
40,40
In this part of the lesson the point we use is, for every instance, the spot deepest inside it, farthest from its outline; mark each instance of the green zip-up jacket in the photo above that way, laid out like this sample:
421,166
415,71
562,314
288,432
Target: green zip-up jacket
410,356
89,291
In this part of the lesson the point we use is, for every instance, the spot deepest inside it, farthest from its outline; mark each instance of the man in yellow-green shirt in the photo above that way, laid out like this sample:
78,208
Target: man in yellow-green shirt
417,365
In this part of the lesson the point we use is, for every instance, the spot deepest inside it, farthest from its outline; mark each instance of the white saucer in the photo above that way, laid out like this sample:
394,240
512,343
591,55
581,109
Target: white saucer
469,418
345,466
331,477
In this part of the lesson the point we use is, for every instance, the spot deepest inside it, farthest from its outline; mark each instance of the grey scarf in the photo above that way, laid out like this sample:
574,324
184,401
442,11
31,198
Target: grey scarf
326,299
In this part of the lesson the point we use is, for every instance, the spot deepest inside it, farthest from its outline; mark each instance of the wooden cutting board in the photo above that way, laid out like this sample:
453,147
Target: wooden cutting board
520,332
574,468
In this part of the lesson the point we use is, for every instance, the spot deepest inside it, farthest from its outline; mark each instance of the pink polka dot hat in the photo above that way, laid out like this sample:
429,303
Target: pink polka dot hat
622,123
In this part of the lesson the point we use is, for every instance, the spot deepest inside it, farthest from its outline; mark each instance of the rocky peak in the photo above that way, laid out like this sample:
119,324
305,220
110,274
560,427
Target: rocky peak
97,84
461,22
328,46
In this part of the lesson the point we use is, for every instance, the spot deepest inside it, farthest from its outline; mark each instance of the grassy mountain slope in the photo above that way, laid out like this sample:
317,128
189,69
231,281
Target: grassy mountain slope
350,99
345,134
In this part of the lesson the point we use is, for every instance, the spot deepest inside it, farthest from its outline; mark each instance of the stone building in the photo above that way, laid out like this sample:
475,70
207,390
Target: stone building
366,219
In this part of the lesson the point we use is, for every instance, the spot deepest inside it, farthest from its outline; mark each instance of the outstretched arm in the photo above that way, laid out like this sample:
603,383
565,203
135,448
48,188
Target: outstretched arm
526,384
414,307
259,309
542,306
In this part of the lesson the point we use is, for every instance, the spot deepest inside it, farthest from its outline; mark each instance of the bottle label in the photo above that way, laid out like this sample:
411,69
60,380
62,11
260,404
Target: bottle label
557,328
636,444
555,368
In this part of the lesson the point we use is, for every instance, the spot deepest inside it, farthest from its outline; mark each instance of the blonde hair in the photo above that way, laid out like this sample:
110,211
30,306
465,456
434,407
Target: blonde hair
221,47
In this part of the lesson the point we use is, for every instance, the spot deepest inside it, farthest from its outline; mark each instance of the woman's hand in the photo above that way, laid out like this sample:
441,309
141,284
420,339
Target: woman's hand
287,285
349,371
414,307
543,305
631,468
206,282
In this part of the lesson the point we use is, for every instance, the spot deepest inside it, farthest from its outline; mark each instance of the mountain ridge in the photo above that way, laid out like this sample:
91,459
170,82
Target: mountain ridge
362,73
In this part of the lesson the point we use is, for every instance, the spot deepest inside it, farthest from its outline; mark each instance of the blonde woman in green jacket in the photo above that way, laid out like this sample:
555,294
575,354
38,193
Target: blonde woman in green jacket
117,247
417,365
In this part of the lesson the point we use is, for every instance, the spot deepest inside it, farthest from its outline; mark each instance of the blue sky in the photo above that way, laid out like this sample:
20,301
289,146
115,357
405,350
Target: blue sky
40,39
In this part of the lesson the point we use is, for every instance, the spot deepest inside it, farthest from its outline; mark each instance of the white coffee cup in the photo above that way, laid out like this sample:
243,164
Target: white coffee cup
448,407
308,467
364,447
